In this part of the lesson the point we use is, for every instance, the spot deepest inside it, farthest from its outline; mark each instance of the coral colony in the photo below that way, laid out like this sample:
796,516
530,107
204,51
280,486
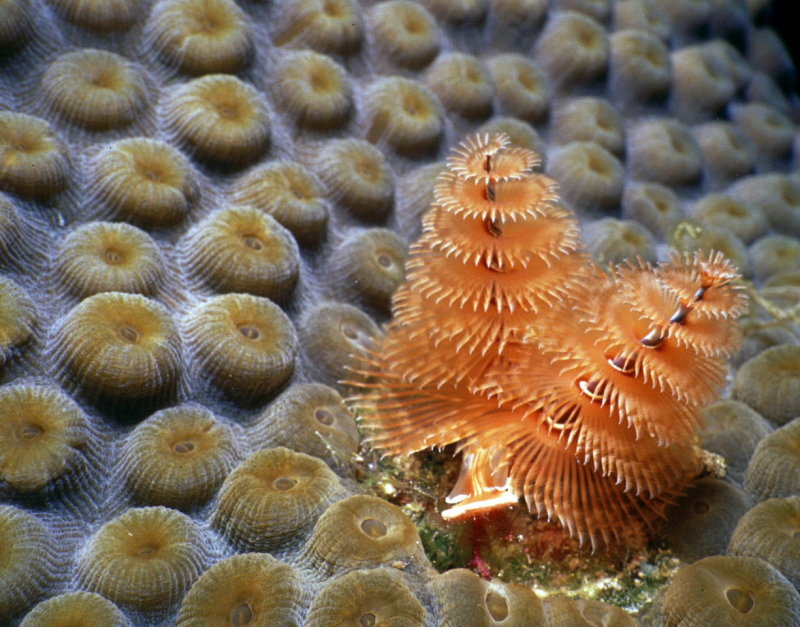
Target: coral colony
578,390
205,211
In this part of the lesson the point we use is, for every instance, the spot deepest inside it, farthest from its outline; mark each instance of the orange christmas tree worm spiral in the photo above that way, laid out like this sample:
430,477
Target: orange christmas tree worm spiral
579,391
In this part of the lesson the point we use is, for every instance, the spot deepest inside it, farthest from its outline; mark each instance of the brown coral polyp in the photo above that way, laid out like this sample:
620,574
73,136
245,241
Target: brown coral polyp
770,130
17,24
724,211
521,88
639,65
76,608
367,267
178,457
588,119
95,90
463,599
701,83
770,383
774,468
405,114
367,597
332,335
206,37
28,566
404,33
642,14
565,611
771,531
44,435
573,49
272,499
612,241
361,532
328,26
142,180
774,254
251,589
33,158
596,175
242,249
727,152
777,195
310,418
145,559
734,590
290,194
98,16
458,12
120,350
218,118
17,319
733,430
312,89
107,257
702,522
244,344
462,84
357,176
654,206
663,151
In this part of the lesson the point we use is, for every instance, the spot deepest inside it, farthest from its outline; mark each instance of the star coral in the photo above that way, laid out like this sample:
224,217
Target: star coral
577,389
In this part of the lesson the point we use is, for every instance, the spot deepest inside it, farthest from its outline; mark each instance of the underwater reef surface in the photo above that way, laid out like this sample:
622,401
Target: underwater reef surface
205,207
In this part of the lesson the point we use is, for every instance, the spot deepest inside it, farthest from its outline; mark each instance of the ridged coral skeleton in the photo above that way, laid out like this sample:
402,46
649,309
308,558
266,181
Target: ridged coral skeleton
577,389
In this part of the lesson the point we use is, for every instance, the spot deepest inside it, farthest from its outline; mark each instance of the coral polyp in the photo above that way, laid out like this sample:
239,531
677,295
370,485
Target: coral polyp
242,249
311,418
245,345
44,435
146,559
107,257
462,84
95,89
119,348
364,597
17,319
76,608
332,334
357,175
403,33
33,157
98,16
322,25
313,89
219,119
520,86
733,590
404,114
272,498
28,566
573,49
206,37
142,180
595,432
495,604
367,268
178,457
290,194
361,532
249,589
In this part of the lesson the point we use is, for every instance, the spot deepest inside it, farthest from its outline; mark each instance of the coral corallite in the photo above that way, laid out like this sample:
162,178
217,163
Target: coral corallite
579,390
